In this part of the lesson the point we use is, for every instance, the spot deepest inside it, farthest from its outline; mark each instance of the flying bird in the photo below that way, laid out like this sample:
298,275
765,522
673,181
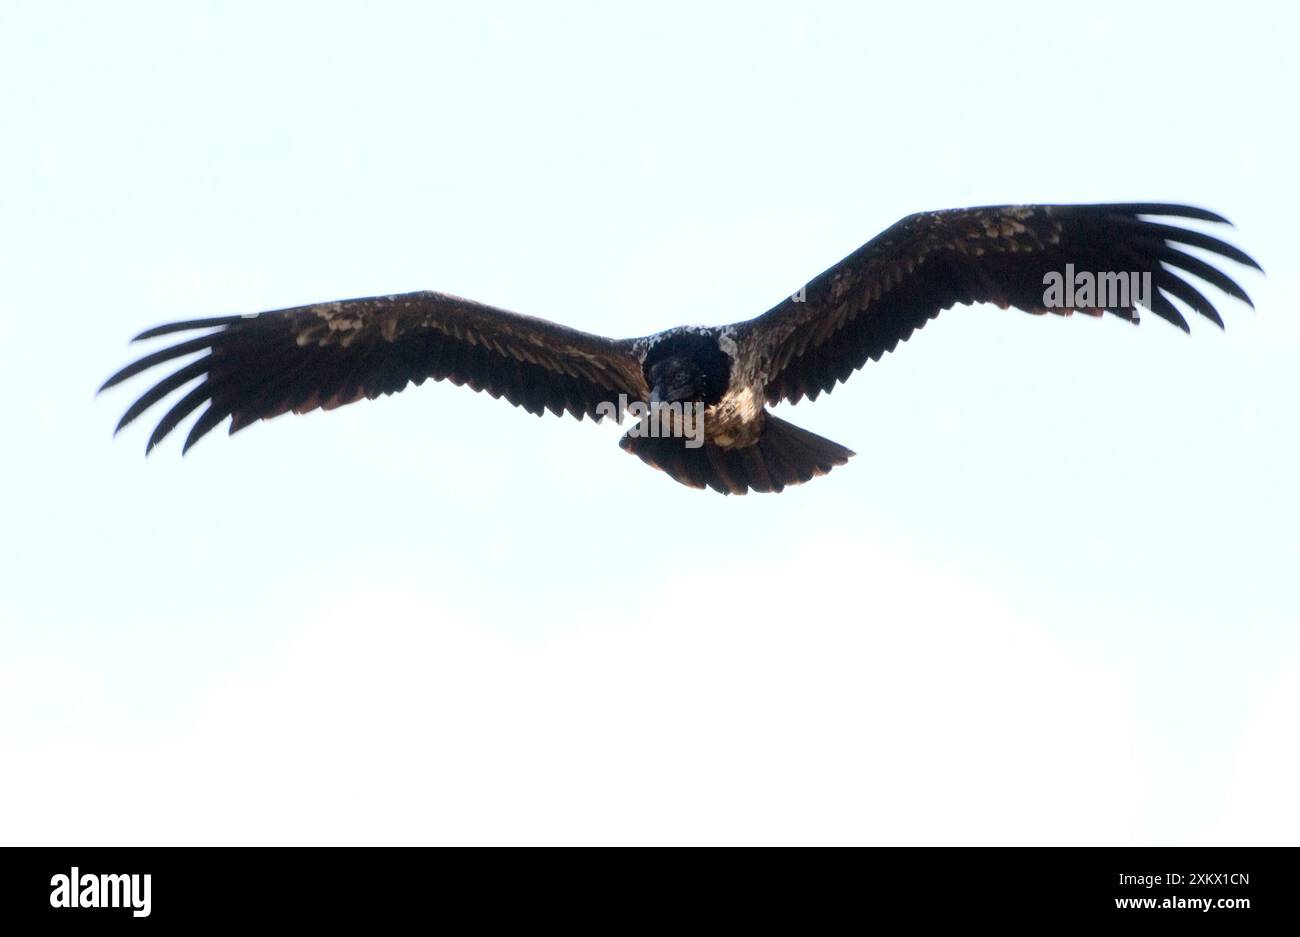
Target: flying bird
254,367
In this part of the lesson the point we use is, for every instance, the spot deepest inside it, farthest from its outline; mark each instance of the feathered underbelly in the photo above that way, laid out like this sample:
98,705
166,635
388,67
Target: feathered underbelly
736,421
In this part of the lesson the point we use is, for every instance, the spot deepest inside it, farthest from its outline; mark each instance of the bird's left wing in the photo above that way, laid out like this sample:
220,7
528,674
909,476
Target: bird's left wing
881,293
329,354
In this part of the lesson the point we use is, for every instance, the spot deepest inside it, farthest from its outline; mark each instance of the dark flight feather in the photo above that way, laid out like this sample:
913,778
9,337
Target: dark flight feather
331,354
880,294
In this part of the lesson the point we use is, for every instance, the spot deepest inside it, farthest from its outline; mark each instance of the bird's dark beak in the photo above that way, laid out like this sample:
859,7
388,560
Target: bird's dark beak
671,393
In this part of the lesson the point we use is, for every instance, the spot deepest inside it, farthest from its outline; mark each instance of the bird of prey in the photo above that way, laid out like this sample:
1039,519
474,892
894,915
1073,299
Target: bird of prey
254,367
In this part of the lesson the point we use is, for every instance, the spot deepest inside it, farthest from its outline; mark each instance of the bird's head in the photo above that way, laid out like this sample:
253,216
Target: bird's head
677,378
687,365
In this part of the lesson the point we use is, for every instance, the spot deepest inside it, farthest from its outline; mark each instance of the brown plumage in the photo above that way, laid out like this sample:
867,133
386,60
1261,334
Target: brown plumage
255,367
331,354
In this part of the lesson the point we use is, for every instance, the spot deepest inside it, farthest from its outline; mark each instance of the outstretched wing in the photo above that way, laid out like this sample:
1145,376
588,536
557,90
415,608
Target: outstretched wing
891,286
255,367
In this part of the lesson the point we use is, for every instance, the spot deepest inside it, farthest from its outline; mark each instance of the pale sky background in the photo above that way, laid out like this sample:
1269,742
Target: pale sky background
1053,599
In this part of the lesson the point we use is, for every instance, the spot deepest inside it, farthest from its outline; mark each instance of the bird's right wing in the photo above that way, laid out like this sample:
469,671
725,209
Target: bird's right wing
255,367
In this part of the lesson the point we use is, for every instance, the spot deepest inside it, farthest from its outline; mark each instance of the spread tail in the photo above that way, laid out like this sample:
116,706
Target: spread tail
783,455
